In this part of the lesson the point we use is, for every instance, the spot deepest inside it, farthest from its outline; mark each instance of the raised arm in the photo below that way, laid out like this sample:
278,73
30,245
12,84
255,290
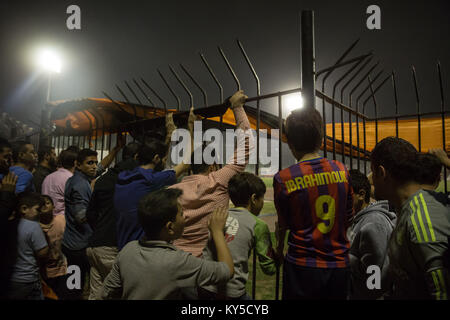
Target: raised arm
442,156
244,141
183,166
106,161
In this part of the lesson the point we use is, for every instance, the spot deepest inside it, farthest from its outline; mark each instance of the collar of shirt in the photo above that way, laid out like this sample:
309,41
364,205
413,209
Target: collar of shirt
82,175
156,244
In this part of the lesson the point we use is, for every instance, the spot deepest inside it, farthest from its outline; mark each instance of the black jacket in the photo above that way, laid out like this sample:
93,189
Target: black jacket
101,214
8,238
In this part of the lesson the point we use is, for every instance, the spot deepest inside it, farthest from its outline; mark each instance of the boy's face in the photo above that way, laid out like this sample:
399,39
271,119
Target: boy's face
177,226
29,156
47,207
5,159
257,204
31,213
89,166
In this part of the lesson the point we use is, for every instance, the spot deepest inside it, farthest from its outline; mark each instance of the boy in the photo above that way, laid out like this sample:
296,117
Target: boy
313,199
149,176
152,268
77,195
419,242
32,250
369,235
56,266
207,188
243,232
25,159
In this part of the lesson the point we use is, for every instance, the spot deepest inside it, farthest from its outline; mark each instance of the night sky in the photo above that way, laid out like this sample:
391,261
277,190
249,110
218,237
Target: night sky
122,40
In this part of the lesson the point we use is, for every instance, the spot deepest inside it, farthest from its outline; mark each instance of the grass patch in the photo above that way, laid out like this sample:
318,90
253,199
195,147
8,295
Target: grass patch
265,285
268,181
269,207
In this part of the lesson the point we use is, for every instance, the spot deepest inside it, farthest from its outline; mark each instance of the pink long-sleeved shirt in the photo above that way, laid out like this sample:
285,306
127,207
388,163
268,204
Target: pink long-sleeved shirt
204,193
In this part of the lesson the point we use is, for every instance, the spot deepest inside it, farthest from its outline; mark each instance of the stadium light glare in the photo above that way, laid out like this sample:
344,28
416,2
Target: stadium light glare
49,60
293,101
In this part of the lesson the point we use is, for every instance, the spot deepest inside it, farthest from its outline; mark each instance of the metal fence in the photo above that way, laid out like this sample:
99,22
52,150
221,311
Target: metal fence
352,93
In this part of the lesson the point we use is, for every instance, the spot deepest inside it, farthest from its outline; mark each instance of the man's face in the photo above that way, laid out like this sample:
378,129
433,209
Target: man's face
178,224
29,156
5,159
89,166
52,160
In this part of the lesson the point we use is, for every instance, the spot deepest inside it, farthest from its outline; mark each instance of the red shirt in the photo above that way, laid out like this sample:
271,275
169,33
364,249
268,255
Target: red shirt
314,201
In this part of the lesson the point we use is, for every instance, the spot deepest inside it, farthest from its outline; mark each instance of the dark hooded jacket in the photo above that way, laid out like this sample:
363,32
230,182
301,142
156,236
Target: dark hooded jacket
101,214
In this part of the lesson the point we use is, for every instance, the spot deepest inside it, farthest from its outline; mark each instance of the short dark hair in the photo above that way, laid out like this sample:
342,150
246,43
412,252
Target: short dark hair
359,182
4,144
304,130
83,154
429,169
44,196
397,156
149,149
241,187
18,147
67,159
29,199
203,166
156,209
73,148
43,151
130,150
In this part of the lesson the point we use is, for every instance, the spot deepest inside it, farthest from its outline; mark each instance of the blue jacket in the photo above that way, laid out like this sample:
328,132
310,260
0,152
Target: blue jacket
76,197
131,186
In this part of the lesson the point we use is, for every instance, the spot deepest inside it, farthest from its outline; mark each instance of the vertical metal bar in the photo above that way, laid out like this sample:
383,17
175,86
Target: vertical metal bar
342,110
143,93
394,87
331,69
308,59
258,109
59,143
205,96
170,89
132,91
357,117
211,72
191,98
128,101
238,84
155,93
280,166
441,87
413,69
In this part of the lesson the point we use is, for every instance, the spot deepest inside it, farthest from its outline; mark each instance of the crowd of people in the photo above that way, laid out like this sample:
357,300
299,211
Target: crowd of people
73,228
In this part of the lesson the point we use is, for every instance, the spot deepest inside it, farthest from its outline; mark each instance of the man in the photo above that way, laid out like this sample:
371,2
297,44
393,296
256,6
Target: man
419,241
55,183
47,164
5,157
207,188
369,236
313,199
77,196
101,216
132,185
25,159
